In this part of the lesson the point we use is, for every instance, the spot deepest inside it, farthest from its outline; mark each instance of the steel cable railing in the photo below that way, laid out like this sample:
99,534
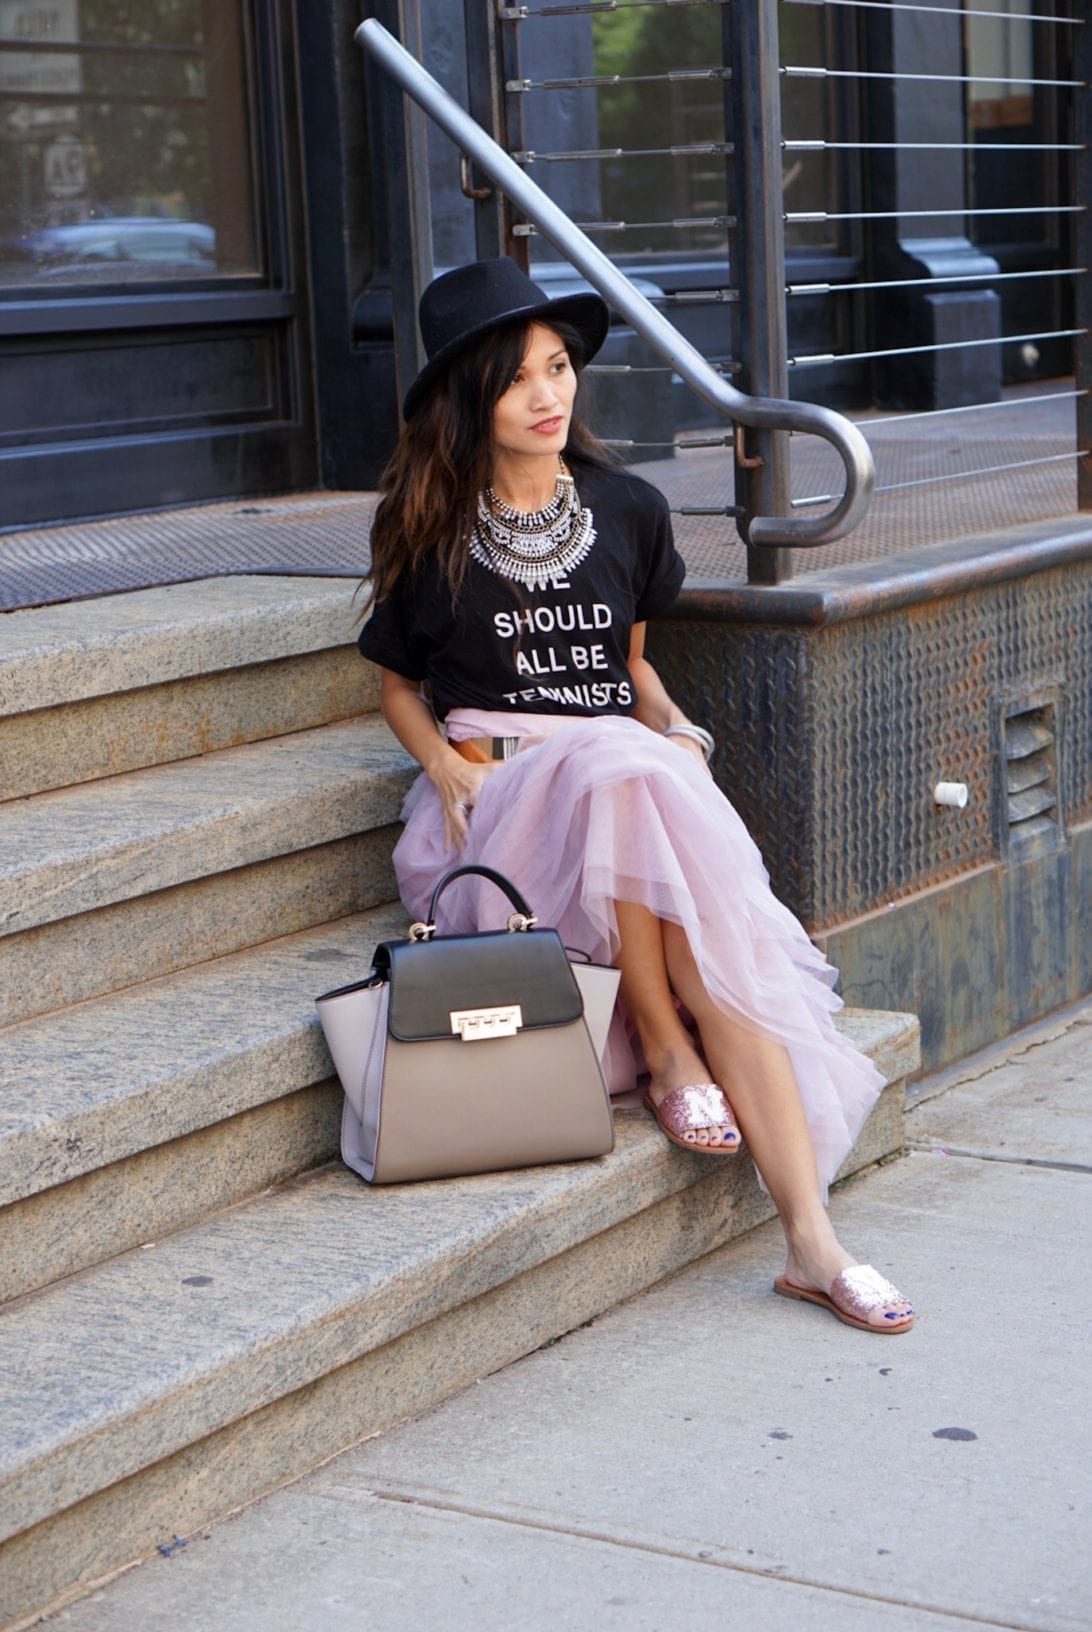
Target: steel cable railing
996,74
717,225
944,11
599,82
1049,83
682,150
807,217
584,8
932,348
678,353
678,223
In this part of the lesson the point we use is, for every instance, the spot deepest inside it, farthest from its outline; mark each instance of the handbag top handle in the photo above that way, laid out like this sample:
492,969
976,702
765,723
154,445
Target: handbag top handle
523,918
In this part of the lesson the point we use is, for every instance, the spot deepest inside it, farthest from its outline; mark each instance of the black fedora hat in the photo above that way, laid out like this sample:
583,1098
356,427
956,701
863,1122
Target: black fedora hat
462,305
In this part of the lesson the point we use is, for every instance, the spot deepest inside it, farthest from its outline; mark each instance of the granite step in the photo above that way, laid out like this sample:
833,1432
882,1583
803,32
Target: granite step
152,1393
96,688
126,1117
140,874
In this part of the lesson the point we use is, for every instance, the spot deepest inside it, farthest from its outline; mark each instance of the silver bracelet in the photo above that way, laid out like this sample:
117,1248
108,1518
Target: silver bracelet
696,733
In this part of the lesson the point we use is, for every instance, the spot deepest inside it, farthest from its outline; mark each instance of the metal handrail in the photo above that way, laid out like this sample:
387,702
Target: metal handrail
766,413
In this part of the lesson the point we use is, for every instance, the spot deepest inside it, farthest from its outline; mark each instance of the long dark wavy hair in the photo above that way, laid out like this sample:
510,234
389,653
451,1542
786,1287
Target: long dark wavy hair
444,458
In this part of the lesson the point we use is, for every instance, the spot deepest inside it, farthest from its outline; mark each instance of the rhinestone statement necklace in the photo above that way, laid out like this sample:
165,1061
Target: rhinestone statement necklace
533,546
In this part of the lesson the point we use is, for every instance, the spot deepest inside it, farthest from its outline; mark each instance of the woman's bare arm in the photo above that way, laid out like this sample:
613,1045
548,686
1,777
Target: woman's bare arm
414,724
654,707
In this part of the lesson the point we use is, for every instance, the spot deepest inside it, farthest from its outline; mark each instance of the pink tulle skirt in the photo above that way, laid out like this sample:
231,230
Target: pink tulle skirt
595,811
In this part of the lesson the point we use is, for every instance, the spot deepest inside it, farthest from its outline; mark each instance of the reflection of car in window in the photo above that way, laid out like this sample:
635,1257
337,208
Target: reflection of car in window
121,239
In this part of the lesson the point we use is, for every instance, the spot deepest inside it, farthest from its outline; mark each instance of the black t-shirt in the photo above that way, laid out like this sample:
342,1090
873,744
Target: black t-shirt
558,650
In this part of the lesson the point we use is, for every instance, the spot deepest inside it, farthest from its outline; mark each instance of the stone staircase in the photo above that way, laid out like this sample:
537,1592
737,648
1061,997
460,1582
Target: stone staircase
198,802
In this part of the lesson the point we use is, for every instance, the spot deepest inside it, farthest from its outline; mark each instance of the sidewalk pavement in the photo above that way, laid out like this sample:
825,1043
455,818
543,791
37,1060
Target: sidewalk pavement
710,1456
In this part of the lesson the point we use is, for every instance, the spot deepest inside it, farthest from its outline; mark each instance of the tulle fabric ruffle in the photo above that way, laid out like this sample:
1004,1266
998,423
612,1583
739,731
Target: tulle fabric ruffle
600,810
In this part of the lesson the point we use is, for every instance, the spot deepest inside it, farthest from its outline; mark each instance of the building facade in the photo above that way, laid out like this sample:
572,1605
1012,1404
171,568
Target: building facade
195,285
212,235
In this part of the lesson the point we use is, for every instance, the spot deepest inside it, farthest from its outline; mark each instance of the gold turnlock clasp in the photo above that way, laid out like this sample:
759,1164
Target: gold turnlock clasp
477,1025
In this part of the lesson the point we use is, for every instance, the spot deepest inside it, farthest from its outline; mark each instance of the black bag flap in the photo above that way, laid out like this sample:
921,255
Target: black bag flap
431,980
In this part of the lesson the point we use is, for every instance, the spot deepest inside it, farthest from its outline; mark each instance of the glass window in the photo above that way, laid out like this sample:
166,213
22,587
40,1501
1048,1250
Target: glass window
125,148
656,111
809,179
1007,118
1002,46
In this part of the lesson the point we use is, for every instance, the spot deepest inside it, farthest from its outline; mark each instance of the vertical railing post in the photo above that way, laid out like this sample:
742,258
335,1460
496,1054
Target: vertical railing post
1082,65
753,119
492,59
404,134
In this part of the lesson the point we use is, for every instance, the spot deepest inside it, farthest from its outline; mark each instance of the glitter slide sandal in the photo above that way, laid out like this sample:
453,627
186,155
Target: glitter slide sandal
687,1110
854,1294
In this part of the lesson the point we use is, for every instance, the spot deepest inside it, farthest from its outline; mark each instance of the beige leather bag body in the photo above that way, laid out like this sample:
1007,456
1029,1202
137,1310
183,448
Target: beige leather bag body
469,1053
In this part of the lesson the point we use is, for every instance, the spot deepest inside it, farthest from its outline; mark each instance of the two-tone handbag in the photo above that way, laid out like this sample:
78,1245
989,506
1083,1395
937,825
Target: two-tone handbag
470,1053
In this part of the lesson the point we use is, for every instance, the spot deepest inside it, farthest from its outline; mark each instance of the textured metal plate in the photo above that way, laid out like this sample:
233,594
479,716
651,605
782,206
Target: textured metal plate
307,532
833,739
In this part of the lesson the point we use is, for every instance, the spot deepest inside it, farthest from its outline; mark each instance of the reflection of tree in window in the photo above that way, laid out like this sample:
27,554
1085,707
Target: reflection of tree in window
144,118
809,179
167,134
690,111
661,115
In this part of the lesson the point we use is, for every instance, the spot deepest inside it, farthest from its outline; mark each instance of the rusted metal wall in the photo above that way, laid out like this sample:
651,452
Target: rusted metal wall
837,719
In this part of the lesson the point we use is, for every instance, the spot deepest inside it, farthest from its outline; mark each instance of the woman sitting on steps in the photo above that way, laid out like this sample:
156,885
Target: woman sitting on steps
514,570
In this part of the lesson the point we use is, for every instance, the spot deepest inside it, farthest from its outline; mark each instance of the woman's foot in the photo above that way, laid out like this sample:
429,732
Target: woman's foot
819,1270
691,1110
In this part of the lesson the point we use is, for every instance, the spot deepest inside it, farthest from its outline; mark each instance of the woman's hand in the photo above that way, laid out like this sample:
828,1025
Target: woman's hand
458,782
690,746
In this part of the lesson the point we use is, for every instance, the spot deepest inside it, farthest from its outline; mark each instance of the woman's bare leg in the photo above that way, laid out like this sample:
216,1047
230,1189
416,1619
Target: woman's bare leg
669,1049
755,1072
757,1075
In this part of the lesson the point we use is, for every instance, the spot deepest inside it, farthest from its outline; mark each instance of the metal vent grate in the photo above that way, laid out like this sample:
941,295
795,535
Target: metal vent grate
1031,773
